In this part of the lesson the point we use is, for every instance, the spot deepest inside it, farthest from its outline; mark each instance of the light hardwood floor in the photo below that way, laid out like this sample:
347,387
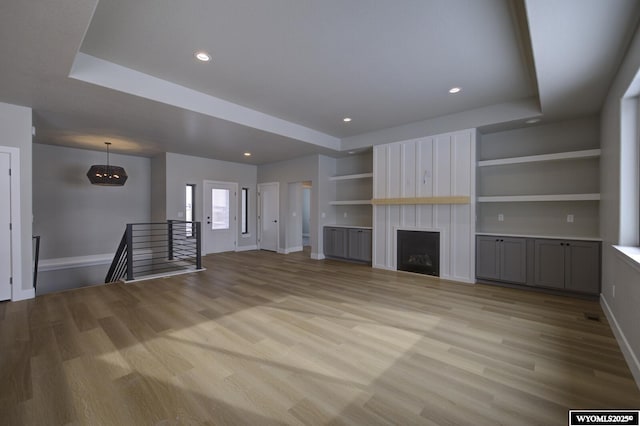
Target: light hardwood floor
261,338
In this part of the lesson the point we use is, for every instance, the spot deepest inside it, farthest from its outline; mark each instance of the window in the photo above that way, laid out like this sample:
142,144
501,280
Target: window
189,207
220,209
245,210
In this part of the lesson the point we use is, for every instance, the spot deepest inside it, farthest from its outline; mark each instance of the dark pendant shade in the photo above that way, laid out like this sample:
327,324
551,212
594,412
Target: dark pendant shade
105,175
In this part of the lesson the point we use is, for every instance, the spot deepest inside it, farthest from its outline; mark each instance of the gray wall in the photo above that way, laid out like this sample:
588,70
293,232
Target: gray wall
315,169
75,218
15,122
181,170
618,206
159,188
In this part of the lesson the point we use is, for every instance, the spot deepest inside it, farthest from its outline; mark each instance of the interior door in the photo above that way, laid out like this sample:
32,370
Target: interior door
269,197
5,232
219,229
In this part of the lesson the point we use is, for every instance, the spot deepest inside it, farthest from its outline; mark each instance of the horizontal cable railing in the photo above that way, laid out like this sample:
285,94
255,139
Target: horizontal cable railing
157,248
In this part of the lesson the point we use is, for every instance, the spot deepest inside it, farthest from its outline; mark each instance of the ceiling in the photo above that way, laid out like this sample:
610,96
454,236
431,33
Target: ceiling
285,73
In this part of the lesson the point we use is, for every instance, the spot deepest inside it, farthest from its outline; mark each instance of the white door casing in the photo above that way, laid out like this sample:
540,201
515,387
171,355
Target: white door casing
219,218
5,231
268,215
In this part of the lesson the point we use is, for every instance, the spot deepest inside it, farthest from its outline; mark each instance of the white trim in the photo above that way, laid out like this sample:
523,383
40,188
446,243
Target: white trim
627,351
17,292
317,256
247,248
290,250
629,255
74,262
22,294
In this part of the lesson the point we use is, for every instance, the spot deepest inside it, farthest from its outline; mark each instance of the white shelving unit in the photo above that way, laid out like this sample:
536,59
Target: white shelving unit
530,198
349,177
540,180
573,155
350,203
560,156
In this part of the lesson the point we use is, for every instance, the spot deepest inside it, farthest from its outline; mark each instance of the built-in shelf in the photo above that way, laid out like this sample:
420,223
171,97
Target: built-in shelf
422,200
350,202
356,176
525,198
573,155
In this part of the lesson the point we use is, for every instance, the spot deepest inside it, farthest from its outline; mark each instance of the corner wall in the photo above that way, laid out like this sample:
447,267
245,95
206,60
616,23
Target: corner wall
81,224
620,280
15,122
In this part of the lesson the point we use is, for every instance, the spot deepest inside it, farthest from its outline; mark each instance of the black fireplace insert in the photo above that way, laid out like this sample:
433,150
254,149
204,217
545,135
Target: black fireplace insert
419,251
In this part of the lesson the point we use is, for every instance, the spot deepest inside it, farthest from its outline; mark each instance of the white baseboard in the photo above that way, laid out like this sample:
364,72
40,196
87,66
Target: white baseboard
22,294
317,256
291,250
627,351
247,248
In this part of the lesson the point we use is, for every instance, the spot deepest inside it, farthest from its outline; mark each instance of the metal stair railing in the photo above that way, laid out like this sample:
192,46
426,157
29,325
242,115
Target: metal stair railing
155,249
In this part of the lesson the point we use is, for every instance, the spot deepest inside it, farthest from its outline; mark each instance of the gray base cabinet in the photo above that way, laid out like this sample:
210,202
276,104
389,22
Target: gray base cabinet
348,243
567,264
501,259
557,264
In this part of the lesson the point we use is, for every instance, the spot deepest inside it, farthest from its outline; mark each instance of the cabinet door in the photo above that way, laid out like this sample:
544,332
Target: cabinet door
513,260
487,257
583,266
335,242
340,242
329,241
360,244
549,263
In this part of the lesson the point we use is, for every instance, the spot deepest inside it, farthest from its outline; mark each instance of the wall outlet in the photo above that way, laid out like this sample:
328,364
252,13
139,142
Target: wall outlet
294,214
569,218
323,215
180,214
500,217
345,214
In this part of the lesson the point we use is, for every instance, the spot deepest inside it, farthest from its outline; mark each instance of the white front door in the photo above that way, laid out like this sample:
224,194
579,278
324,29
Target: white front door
5,231
219,218
269,198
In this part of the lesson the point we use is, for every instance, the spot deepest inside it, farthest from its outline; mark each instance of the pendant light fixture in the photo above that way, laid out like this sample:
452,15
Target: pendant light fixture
107,175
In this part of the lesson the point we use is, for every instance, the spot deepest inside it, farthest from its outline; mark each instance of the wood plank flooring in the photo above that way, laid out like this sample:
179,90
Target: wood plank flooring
267,339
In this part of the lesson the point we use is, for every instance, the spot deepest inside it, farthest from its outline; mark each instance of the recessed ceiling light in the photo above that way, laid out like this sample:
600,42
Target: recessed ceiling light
202,56
351,152
247,154
532,121
346,119
455,90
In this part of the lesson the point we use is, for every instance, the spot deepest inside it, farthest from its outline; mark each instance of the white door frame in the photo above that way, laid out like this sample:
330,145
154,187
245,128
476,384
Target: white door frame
260,185
233,227
16,226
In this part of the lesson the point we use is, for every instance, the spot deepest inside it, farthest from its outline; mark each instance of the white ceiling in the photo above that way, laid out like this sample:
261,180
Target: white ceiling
284,73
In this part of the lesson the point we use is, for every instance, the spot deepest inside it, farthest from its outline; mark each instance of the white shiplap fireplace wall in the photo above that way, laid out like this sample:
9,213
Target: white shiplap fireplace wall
433,166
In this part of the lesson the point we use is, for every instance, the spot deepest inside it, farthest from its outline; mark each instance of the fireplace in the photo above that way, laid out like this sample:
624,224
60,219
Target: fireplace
419,251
